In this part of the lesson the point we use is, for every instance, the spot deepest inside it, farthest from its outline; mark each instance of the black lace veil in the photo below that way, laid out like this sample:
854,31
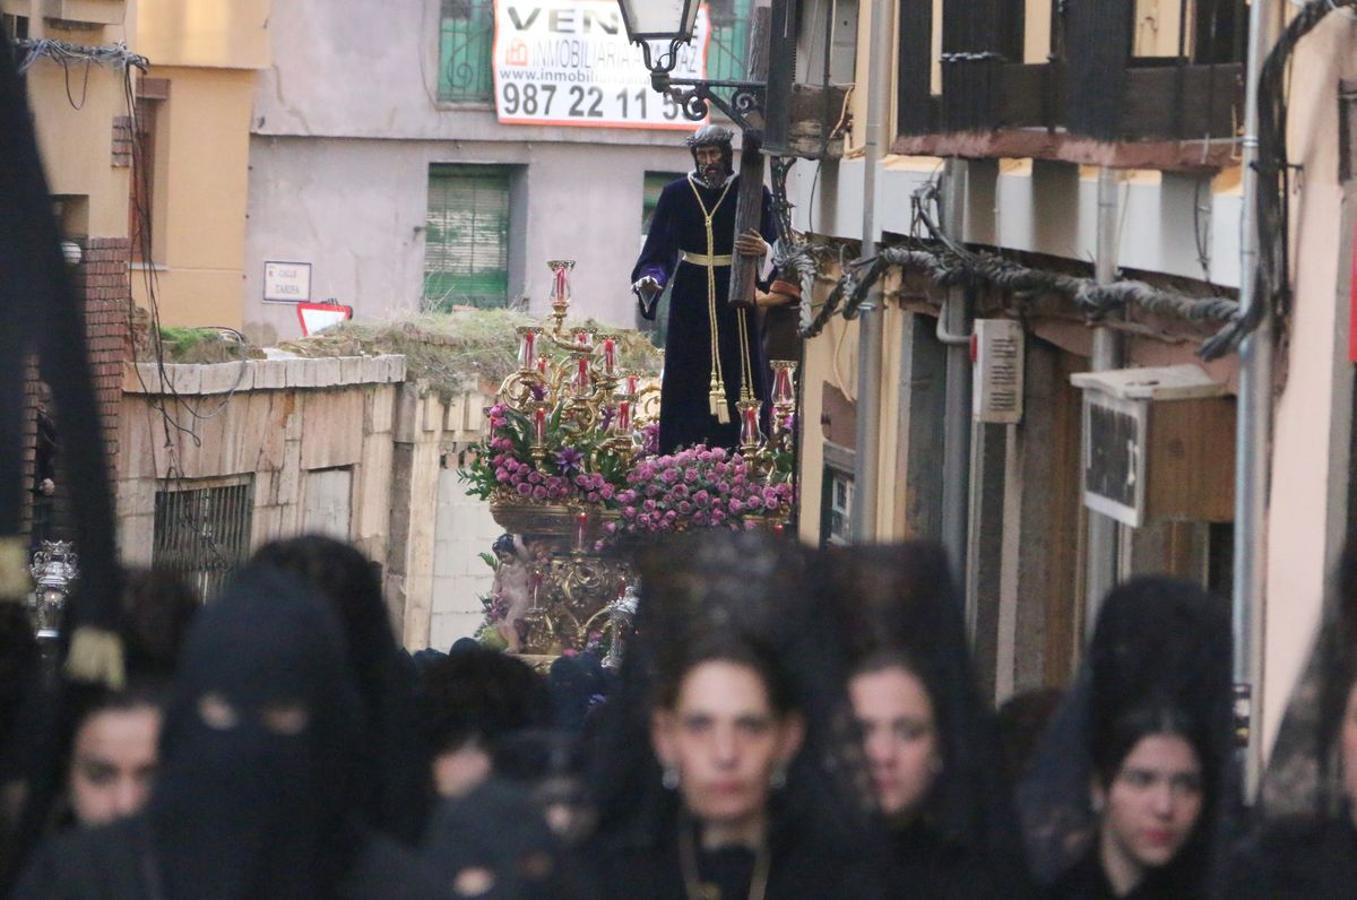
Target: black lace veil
750,587
1160,643
1303,778
902,599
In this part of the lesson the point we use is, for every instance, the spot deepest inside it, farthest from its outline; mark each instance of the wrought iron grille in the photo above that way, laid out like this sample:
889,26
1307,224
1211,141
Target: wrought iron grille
466,37
203,534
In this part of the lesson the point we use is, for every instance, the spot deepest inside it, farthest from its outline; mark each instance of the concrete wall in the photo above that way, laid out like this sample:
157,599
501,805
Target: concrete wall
275,421
1048,208
464,529
356,209
346,124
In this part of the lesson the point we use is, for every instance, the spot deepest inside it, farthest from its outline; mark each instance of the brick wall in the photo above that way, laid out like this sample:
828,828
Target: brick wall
102,281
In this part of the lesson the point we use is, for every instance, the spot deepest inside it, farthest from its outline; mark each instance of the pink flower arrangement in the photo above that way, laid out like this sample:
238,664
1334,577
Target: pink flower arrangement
699,487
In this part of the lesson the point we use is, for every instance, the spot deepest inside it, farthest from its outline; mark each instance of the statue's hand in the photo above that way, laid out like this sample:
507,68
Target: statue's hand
751,243
647,291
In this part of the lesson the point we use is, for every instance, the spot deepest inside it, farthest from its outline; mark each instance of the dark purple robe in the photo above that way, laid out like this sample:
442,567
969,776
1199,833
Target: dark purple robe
685,412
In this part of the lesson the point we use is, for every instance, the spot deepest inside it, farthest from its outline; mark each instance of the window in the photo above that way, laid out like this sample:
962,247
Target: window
466,37
836,496
728,52
203,533
15,26
466,249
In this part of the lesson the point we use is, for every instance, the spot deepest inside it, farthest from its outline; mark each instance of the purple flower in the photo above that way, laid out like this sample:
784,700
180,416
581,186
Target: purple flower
593,497
607,491
629,512
539,493
701,498
648,506
524,489
736,507
690,475
670,475
502,476
568,459
539,392
685,507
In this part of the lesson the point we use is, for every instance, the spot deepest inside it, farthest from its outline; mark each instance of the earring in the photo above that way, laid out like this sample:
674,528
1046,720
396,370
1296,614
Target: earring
778,779
670,778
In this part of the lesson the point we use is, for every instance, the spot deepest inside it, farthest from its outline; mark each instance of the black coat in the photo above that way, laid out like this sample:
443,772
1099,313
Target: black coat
118,862
685,413
1300,859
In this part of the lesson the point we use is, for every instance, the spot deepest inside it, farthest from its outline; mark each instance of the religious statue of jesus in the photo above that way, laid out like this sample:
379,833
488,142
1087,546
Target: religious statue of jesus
713,355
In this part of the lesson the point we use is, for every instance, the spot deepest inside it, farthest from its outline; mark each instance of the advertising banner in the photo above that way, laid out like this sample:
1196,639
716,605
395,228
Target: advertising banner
568,62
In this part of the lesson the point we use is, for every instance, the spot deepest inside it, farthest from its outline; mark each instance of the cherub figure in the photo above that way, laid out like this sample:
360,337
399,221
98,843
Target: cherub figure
513,587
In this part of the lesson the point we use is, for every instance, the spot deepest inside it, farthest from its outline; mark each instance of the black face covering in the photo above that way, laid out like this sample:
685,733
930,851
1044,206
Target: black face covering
257,750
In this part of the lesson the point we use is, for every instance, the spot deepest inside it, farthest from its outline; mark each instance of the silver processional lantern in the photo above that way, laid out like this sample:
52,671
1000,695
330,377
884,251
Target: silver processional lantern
54,573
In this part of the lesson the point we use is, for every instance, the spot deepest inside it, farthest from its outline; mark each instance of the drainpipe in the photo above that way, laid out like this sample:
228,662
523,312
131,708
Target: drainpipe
867,458
954,330
1103,531
1253,431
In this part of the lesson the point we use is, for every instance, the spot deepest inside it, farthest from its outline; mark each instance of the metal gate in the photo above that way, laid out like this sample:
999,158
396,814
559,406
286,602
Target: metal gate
203,534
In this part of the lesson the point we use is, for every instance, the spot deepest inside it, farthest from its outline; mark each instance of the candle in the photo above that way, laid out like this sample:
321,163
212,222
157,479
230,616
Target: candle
623,421
632,382
609,357
539,426
581,530
527,349
561,292
582,375
749,430
542,366
783,391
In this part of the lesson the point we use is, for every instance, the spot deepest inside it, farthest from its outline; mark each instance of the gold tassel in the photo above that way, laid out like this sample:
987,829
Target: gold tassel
723,414
96,657
14,580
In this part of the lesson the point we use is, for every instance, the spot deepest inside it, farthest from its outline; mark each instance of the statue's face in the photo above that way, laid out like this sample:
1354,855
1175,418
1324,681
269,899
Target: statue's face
711,167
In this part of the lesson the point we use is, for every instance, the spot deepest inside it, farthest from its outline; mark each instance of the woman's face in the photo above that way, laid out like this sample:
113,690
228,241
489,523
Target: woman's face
900,737
724,740
113,762
1152,805
1348,743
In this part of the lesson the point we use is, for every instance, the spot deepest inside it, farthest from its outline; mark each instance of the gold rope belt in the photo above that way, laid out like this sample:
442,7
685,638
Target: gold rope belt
702,259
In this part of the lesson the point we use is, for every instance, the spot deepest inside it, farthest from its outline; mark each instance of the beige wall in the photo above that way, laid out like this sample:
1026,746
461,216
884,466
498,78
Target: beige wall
230,34
77,143
201,181
1309,459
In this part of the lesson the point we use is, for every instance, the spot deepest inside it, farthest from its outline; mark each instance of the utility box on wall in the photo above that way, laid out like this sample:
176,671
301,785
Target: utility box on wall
1157,445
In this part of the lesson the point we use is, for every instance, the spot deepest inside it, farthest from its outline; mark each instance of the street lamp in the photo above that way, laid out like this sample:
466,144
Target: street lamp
674,21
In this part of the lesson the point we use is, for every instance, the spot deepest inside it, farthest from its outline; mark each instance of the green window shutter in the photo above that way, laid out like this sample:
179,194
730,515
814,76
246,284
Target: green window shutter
466,37
654,186
728,52
466,242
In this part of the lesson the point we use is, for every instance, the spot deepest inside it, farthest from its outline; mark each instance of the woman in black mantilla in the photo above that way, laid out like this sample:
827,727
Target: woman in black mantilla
1305,842
930,743
1133,788
691,242
726,765
256,795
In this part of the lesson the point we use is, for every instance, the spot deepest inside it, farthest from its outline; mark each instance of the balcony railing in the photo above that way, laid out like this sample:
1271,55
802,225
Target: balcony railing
1086,88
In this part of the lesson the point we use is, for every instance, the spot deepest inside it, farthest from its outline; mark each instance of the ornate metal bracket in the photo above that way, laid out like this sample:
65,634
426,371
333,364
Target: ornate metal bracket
696,98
